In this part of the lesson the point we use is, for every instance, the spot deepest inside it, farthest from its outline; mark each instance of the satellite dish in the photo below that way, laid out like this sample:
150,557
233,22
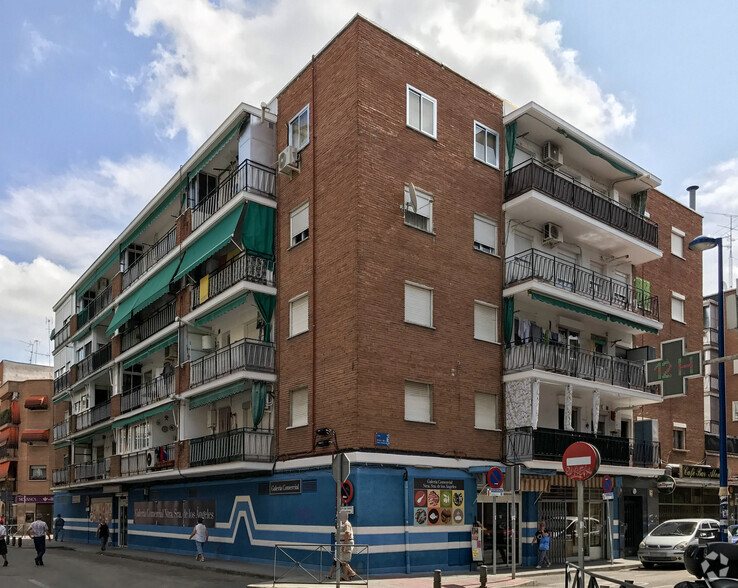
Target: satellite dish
413,197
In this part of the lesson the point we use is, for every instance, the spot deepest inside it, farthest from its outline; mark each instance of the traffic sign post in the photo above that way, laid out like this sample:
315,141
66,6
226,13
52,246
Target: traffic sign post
341,470
495,478
607,488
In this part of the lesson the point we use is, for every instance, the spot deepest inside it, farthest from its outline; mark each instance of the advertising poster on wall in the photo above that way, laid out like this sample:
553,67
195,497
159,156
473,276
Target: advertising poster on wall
174,513
438,502
101,508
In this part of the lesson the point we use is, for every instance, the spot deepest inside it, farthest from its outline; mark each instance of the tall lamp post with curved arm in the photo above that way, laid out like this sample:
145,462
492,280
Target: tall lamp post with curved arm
703,243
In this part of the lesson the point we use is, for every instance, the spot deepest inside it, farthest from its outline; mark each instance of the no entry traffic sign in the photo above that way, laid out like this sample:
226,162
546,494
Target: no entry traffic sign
495,478
581,461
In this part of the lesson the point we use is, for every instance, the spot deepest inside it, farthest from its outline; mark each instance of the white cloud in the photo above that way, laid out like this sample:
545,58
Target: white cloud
38,48
210,58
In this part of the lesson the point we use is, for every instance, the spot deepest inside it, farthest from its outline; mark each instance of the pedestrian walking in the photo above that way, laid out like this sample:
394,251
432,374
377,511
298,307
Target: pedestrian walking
200,533
58,528
347,548
542,539
103,533
38,531
4,544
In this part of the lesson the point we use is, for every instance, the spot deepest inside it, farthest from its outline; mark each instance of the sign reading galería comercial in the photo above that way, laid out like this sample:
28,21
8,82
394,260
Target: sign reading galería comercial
174,513
285,487
438,502
700,472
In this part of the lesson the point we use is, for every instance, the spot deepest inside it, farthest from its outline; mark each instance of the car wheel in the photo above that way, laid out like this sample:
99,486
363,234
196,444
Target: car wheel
648,564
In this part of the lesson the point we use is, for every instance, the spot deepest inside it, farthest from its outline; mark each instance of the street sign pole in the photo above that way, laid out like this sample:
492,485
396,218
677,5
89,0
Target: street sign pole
609,528
494,535
341,469
512,532
580,529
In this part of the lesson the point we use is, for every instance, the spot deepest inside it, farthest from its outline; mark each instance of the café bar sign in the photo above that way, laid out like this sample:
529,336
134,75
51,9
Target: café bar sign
699,472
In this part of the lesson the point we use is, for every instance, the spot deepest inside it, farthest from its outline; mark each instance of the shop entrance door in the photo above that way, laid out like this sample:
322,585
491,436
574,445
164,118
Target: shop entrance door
632,524
501,527
123,521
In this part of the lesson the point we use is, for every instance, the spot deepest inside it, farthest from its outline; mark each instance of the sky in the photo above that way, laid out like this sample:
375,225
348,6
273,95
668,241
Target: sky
103,100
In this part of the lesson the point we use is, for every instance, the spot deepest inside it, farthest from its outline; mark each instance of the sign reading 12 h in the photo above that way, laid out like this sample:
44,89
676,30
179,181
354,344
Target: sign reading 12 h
674,368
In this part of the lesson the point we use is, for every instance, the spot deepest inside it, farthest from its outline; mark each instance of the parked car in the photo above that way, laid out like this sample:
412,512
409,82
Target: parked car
732,533
667,542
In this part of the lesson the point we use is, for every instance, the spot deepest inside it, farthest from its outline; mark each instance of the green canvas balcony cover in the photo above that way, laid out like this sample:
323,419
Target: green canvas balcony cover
98,274
150,350
142,415
61,444
123,313
89,436
258,400
258,230
215,239
632,324
150,218
568,306
511,135
61,398
222,310
213,152
53,332
79,334
596,153
217,394
101,318
156,286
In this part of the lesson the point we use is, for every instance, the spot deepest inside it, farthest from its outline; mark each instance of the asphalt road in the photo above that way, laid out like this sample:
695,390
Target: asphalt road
659,577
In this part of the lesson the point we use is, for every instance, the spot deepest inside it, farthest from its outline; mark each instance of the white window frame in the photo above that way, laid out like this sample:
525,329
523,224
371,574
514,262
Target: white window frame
410,216
679,236
429,399
678,298
417,287
735,410
294,119
31,478
299,298
434,103
679,433
478,334
496,163
483,246
479,411
295,237
293,403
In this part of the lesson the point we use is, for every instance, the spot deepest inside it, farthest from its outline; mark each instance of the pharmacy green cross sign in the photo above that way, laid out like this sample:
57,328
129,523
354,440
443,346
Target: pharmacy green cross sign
674,368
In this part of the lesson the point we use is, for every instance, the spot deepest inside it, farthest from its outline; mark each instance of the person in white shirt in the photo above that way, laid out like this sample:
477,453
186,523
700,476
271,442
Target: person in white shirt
200,533
38,531
4,544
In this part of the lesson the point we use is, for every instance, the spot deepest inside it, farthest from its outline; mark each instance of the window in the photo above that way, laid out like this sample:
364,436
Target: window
418,305
420,217
735,410
37,472
299,224
299,407
486,143
643,293
485,322
680,435
485,234
677,307
421,112
677,242
418,402
299,129
485,411
299,315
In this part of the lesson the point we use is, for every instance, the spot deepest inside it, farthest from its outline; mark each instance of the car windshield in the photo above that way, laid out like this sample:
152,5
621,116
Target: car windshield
674,529
732,529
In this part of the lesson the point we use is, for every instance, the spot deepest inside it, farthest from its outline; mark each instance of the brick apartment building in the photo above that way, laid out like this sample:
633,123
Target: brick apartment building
430,280
25,451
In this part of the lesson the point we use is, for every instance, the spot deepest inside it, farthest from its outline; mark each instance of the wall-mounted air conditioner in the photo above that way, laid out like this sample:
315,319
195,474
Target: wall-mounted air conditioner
288,161
151,458
552,154
552,234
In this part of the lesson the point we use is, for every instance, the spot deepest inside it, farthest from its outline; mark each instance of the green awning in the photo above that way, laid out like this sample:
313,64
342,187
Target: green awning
123,313
156,286
257,234
218,394
91,435
139,357
149,219
79,334
596,153
53,332
101,318
632,324
61,444
568,306
213,152
215,239
222,310
61,398
98,274
142,415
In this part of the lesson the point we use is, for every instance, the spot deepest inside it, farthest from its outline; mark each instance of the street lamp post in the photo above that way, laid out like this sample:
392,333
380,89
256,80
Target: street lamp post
701,244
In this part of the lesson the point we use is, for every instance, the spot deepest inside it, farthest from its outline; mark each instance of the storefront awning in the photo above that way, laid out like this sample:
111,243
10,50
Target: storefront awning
568,306
150,350
37,402
632,324
142,415
10,437
222,310
218,394
33,435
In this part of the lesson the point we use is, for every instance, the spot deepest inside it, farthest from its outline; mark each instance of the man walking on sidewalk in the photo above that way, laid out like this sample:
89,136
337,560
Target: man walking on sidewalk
58,528
4,543
38,531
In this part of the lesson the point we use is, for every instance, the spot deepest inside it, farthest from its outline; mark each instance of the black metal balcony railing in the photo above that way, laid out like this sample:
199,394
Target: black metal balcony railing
709,337
250,176
101,301
150,257
712,443
63,334
147,393
61,383
60,477
245,354
93,362
575,362
532,175
61,430
565,275
550,444
94,415
236,445
244,267
8,452
96,470
163,317
159,458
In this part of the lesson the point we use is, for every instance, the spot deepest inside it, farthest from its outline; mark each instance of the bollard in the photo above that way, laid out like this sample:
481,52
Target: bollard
20,541
483,576
436,578
13,541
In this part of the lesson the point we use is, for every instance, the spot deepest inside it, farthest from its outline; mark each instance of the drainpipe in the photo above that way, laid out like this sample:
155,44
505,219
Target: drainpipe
407,520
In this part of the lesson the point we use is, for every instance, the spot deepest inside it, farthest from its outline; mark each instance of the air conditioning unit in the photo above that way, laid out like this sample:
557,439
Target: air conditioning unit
288,162
552,154
170,353
552,234
208,343
151,458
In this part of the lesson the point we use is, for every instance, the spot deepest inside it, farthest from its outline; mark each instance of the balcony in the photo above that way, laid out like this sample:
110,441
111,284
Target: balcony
93,362
236,445
250,176
63,334
8,453
150,257
575,362
533,177
149,460
96,470
244,267
61,430
245,354
550,444
711,428
709,337
96,414
61,383
94,308
163,317
570,277
147,393
60,477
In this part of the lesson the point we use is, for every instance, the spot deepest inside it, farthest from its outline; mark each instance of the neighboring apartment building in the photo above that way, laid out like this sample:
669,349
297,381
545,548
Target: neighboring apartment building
25,451
430,281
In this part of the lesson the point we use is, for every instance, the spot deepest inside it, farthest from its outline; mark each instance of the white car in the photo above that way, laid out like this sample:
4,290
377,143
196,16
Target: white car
667,542
732,533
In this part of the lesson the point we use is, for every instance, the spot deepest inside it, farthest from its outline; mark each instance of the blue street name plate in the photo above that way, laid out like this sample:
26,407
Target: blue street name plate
381,439
608,496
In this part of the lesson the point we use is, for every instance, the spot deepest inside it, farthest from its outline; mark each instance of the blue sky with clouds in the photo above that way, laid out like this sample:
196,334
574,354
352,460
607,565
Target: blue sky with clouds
102,101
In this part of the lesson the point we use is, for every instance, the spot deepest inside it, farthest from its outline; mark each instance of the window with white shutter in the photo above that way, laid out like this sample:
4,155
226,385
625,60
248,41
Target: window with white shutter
485,234
485,322
677,242
299,223
299,315
485,411
418,305
418,402
299,407
677,307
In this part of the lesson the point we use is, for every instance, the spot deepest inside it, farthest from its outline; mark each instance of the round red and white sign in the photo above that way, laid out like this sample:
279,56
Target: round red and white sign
581,461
